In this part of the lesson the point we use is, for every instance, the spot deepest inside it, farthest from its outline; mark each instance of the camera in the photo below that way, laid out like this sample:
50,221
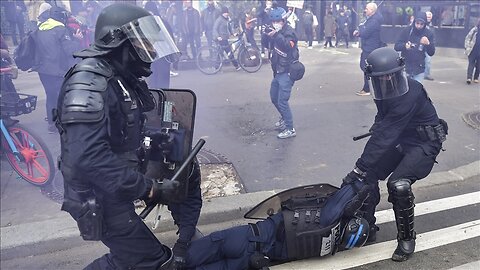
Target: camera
267,28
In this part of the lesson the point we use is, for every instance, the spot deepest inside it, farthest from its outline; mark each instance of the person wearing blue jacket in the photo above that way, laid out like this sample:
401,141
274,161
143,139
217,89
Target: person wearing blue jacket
413,43
369,33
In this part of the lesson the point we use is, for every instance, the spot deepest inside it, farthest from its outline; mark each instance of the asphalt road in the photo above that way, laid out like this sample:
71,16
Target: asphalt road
236,117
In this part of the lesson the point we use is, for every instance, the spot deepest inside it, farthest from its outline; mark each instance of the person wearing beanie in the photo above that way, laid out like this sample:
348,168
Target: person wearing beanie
222,30
43,13
413,43
208,17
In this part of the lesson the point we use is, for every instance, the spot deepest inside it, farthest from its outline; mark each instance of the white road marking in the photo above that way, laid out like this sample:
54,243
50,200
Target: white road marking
433,206
383,251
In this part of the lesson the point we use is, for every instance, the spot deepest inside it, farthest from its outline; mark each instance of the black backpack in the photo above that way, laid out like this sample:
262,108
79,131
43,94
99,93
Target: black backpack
24,54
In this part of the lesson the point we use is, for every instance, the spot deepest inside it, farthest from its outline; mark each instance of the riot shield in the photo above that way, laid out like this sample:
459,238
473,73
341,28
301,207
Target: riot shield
273,204
170,126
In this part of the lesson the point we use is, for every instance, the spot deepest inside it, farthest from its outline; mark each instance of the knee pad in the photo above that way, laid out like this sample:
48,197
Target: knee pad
400,191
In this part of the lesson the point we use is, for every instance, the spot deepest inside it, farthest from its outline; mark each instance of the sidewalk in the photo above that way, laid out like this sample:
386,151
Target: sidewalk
60,230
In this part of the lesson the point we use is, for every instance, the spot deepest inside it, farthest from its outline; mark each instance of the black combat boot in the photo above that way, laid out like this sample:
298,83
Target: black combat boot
406,234
401,197
372,234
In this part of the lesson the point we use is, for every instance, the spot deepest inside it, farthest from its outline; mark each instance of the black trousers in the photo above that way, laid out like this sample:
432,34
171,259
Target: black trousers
341,34
228,50
52,85
132,245
19,22
413,162
363,57
309,34
473,64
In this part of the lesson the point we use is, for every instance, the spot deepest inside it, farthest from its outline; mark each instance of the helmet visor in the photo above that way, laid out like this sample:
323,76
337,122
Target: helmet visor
389,85
150,38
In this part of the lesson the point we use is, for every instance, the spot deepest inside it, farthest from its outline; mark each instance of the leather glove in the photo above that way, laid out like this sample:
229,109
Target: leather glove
353,176
179,255
161,139
358,200
163,191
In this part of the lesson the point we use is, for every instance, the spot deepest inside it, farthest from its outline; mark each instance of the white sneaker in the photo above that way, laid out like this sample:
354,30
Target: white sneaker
173,74
262,55
280,125
287,133
310,47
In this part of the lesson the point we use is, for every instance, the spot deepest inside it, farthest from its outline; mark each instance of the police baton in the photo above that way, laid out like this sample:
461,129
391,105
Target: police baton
362,136
180,171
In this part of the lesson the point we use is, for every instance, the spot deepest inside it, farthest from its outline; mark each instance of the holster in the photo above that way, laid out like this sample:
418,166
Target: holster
90,222
432,133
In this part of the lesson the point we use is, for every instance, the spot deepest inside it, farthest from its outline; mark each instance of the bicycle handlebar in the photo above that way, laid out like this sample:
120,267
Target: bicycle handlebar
6,69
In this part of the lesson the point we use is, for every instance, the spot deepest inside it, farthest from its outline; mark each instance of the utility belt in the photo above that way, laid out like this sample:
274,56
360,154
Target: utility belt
433,133
258,260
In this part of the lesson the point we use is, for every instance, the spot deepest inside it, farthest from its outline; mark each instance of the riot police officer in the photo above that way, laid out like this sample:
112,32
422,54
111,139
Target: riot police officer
407,136
100,118
324,219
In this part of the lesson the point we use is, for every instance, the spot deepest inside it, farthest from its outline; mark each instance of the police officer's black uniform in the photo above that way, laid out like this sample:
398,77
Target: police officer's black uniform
314,225
407,137
100,119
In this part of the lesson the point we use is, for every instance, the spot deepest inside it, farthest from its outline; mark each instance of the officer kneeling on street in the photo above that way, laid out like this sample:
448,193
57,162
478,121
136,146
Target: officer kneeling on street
407,136
100,117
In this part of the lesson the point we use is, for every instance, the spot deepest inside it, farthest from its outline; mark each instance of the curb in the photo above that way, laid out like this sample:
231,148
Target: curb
62,232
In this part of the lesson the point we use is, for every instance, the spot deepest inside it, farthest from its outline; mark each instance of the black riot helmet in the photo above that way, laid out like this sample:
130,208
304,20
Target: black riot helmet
120,23
355,233
386,70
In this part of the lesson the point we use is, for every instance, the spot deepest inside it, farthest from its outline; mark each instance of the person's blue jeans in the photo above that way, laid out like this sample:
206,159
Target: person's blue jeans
419,77
428,64
280,90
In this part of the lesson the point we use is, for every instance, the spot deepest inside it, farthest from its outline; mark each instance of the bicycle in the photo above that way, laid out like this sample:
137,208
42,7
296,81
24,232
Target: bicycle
210,59
26,152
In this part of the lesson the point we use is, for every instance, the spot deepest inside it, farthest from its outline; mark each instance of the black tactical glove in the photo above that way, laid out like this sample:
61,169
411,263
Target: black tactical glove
357,179
179,255
163,191
161,140
354,176
358,200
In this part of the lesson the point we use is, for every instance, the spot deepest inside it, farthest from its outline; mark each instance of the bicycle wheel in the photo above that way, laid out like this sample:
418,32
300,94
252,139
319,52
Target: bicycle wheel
209,60
250,59
36,163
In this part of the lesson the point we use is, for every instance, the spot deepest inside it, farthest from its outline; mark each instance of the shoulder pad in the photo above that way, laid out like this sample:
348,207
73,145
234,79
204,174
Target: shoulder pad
95,65
83,91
